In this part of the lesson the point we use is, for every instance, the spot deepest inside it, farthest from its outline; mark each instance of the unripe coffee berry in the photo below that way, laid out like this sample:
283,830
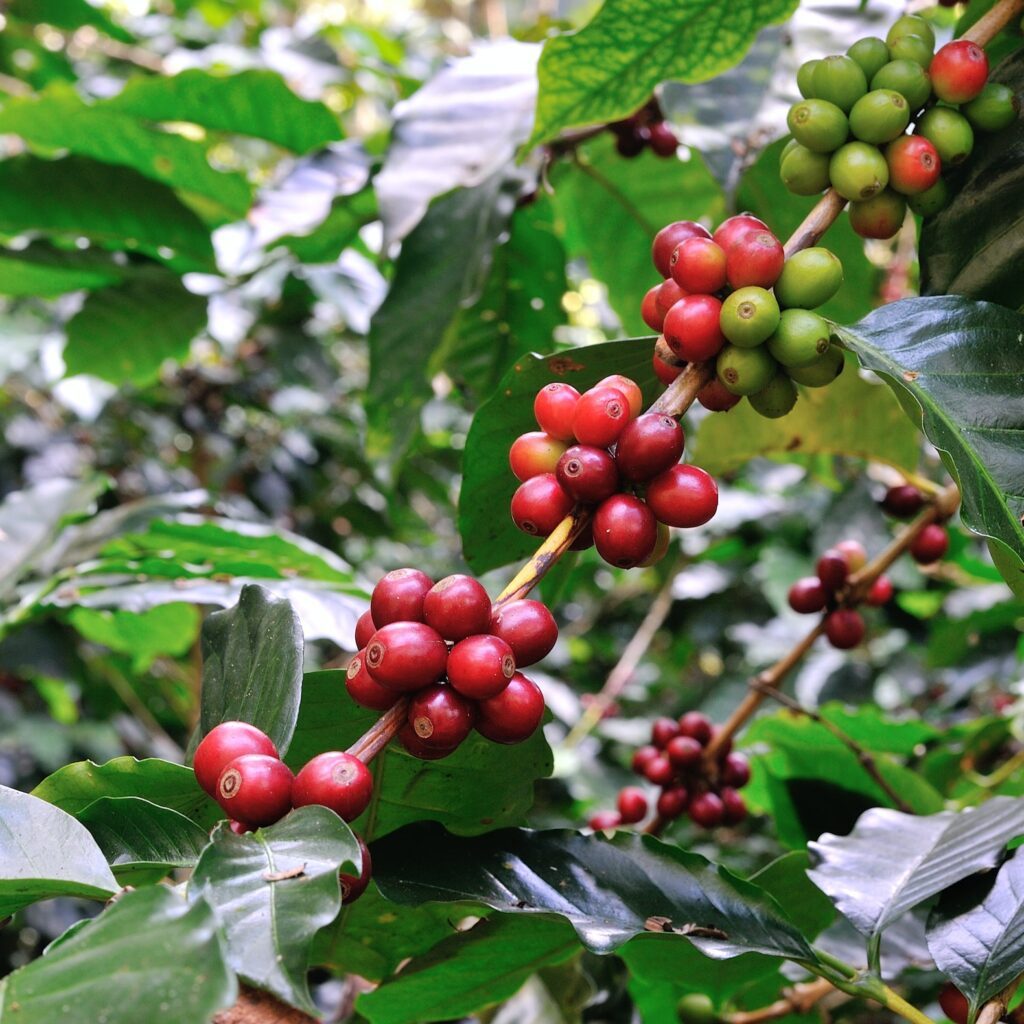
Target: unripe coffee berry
776,398
840,80
255,789
912,47
481,666
527,627
959,71
880,116
683,496
911,25
648,446
881,216
871,54
222,744
587,474
809,279
804,172
457,607
949,132
406,656
539,505
996,107
930,544
821,373
692,328
745,371
336,780
844,628
440,717
534,453
805,78
398,597
670,236
625,531
801,338
930,202
553,409
906,77
858,171
749,316
514,714
818,125
632,805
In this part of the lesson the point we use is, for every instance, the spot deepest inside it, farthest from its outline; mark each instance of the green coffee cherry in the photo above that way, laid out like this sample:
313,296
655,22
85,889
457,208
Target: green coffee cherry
822,372
911,25
906,77
881,216
912,48
804,78
993,109
803,172
776,398
819,125
749,316
858,170
931,201
880,116
788,148
696,1008
839,80
949,132
745,371
801,338
871,54
809,279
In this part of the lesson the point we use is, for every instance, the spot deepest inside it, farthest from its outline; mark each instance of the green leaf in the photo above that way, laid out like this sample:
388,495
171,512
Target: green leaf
273,890
39,269
610,67
68,14
169,629
149,957
976,932
470,970
612,208
892,862
818,425
141,840
253,102
114,206
125,333
489,537
326,242
962,364
46,853
75,786
975,246
786,880
482,785
606,889
252,666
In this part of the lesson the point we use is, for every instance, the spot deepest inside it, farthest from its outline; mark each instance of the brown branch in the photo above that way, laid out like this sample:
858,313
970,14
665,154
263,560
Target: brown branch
822,216
800,998
380,734
545,556
257,1007
987,27
995,1008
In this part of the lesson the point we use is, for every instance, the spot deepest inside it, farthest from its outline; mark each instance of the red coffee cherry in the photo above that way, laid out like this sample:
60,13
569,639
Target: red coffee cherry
735,771
540,504
527,627
698,265
666,240
534,453
696,726
756,258
457,607
833,569
335,780
365,628
629,387
553,409
683,496
734,809
648,446
669,293
930,544
514,714
716,397
587,474
584,539
625,531
880,592
649,312
632,805
692,328
415,746
844,628
240,828
707,810
672,802
255,789
808,595
406,656
958,71
660,771
663,730
642,757
914,164
398,597
854,553
665,372
440,717
733,229
684,751
353,886
364,689
604,821
223,743
600,416
662,139
954,1004
481,666
903,501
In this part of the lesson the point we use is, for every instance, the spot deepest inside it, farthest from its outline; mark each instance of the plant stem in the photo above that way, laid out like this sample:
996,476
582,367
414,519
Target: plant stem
799,999
995,1008
987,27
847,979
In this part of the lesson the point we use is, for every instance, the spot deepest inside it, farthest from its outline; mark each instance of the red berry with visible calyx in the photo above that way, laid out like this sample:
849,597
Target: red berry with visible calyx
669,293
632,805
629,387
527,627
692,328
601,415
364,689
833,569
336,780
415,746
954,1003
457,607
844,628
698,265
880,592
684,751
683,496
666,240
696,726
706,810
756,258
958,71
588,474
735,771
481,666
223,743
649,445
716,397
540,504
733,229
672,802
553,409
604,821
662,139
642,757
353,886
662,731
930,544
914,164
734,808
665,372
808,595
440,717
365,628
514,715
625,531
854,553
398,597
406,656
649,312
660,771
534,453
903,501
255,789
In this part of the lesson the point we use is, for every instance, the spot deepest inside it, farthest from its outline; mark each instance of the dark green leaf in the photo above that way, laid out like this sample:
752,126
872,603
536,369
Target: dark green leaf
69,14
42,270
273,890
786,880
252,666
148,957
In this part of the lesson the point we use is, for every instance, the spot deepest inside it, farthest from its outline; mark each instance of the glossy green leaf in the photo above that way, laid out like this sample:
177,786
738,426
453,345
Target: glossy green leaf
44,852
39,269
168,629
608,890
149,956
273,890
610,67
252,666
962,364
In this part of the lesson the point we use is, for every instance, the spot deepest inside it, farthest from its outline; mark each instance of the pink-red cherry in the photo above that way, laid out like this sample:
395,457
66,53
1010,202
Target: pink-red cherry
553,409
527,627
534,453
223,743
457,607
683,496
625,531
440,717
732,230
692,328
604,821
649,312
734,808
716,397
903,501
698,265
398,597
642,757
669,293
756,258
336,780
481,666
665,372
629,387
854,552
660,771
914,164
649,445
406,656
514,714
255,789
364,689
833,569
959,71
666,240
632,805
697,726
880,592
672,802
808,595
735,771
540,504
601,415
415,746
662,731
684,751
587,474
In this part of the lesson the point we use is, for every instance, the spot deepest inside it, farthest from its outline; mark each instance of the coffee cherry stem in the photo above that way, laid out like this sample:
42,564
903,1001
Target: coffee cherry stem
380,734
995,19
801,999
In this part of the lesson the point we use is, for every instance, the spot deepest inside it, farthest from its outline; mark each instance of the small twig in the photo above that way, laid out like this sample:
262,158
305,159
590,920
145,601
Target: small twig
994,1009
987,27
800,998
822,216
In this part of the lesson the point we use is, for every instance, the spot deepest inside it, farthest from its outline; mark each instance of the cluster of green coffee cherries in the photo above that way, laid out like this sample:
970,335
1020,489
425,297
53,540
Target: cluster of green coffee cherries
850,130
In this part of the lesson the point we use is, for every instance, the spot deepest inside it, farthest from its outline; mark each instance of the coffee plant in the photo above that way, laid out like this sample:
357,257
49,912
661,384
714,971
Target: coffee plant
394,629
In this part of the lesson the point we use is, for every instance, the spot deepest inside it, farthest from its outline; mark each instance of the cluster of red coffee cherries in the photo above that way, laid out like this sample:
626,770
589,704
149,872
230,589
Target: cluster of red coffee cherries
674,761
646,129
598,450
455,655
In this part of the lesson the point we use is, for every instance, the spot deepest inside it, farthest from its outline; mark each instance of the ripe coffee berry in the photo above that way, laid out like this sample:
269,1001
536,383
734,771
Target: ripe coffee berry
540,504
630,388
642,757
604,821
684,751
600,416
527,627
353,886
683,496
406,656
648,446
457,607
914,164
808,595
415,746
481,666
669,293
663,730
734,809
716,397
696,726
652,316
954,1004
365,628
514,714
692,328
665,372
707,810
255,789
903,501
398,597
833,569
632,805
930,544
959,71
698,265
335,780
735,771
553,409
625,531
844,628
587,474
734,228
880,592
364,689
440,717
755,259
223,743
662,139
854,553
672,802
534,453
666,240
660,771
